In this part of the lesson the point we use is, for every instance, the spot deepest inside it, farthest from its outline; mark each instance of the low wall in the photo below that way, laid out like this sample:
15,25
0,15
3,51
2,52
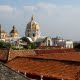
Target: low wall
21,53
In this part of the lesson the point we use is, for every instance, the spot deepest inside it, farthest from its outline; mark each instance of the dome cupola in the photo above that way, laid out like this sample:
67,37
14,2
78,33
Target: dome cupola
14,32
33,25
32,29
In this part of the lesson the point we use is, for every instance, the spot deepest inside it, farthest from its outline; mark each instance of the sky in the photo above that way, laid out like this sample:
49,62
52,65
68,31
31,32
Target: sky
56,17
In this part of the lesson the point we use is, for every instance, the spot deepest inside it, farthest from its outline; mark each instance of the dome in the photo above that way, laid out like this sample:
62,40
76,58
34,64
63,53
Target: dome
33,25
14,30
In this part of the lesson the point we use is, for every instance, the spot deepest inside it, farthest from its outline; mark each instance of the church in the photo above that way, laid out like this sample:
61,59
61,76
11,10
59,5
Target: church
10,37
33,33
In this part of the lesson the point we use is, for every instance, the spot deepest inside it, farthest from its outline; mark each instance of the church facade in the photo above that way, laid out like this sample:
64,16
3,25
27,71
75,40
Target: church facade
33,31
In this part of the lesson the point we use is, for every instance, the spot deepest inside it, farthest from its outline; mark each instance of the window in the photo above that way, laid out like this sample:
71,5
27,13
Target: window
33,35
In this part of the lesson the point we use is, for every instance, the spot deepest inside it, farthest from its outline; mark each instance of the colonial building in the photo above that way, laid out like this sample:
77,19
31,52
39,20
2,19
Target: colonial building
3,34
32,32
62,42
9,37
13,36
14,33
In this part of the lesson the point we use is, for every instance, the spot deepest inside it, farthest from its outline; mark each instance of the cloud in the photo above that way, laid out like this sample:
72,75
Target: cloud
6,8
7,12
39,7
29,8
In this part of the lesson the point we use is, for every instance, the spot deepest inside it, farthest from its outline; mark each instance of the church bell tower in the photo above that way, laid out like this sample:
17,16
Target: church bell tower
32,30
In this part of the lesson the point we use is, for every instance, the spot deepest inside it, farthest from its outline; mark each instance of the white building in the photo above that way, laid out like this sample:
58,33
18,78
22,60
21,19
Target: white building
11,37
33,31
62,42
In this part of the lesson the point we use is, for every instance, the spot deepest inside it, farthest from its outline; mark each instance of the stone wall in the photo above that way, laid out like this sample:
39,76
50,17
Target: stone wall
20,53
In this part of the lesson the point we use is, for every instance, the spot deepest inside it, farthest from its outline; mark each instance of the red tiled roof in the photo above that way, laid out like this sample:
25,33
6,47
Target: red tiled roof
72,56
45,51
49,68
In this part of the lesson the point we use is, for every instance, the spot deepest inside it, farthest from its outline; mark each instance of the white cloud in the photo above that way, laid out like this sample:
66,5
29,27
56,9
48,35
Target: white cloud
6,8
29,8
39,7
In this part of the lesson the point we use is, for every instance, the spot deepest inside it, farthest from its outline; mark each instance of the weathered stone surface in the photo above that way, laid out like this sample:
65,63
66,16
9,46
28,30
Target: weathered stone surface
7,74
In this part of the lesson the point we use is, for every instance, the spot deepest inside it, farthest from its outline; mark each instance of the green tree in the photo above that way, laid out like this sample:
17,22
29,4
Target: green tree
4,44
31,46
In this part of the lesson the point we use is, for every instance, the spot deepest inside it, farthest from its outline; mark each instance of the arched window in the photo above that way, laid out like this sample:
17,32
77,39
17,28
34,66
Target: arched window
33,35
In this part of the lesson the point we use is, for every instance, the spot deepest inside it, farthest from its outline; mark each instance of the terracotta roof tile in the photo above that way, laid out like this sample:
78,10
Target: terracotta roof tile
45,51
72,56
50,68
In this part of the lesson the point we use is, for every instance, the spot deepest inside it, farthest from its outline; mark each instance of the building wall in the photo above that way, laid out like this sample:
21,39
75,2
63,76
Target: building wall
22,53
63,43
3,35
69,44
48,41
